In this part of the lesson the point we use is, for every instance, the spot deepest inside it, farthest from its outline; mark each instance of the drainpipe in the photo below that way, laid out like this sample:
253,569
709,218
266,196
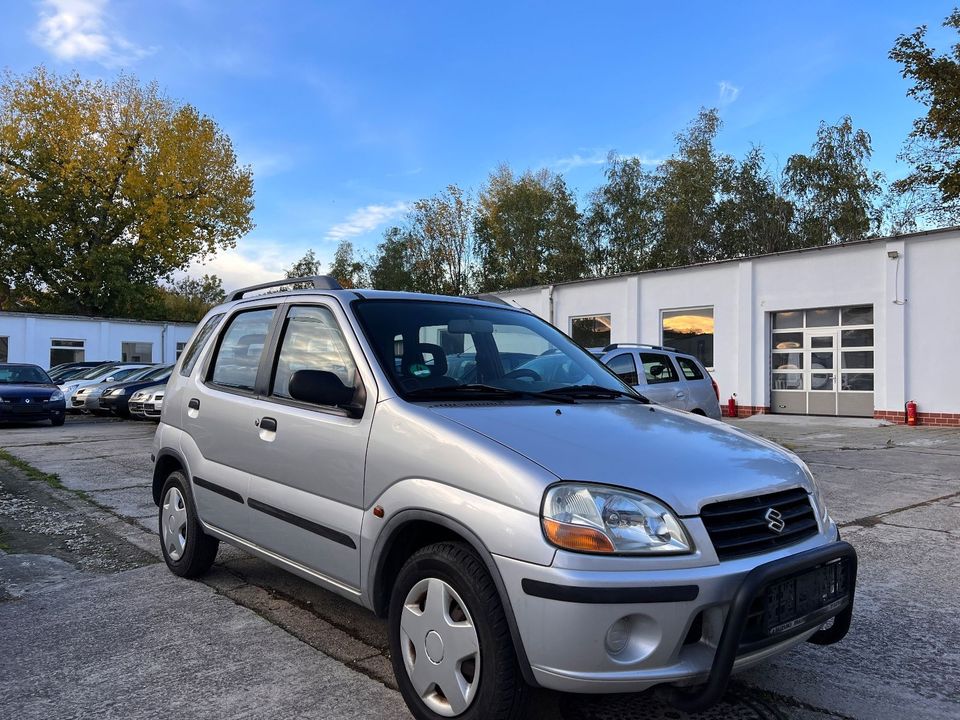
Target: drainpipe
550,304
163,343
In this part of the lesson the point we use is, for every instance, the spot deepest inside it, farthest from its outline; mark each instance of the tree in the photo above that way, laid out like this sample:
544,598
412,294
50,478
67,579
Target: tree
933,147
836,194
688,185
620,225
392,266
440,242
106,188
754,216
527,231
307,266
348,271
189,299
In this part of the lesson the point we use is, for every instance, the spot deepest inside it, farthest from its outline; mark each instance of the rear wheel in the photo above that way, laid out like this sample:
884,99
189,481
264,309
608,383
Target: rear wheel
187,550
450,645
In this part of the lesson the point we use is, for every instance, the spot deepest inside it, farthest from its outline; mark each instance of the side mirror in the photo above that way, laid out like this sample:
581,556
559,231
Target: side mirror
320,387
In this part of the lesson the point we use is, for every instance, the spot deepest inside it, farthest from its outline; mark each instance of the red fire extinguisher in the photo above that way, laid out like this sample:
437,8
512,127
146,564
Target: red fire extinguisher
732,406
911,408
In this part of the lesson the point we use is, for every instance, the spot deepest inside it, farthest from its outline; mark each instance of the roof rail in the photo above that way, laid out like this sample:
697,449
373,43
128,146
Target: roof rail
319,282
489,297
608,348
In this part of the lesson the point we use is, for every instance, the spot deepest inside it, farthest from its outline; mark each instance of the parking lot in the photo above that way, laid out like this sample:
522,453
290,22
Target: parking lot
93,624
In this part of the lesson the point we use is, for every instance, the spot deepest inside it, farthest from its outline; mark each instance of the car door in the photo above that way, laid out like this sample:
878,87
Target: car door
662,381
307,460
219,411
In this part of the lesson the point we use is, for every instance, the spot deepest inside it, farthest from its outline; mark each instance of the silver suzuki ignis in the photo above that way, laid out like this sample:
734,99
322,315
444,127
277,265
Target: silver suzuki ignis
516,530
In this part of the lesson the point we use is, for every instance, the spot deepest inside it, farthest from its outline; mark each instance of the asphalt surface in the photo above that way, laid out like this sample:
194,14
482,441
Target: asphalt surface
93,625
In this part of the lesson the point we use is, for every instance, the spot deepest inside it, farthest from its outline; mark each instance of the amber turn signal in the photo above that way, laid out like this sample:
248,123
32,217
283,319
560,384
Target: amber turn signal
576,537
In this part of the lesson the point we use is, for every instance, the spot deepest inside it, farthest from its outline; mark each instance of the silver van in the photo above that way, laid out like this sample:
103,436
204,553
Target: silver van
515,530
665,375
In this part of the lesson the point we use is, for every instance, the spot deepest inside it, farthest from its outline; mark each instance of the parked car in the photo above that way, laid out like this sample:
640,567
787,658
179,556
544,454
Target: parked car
116,398
666,376
554,528
109,373
146,404
28,394
65,371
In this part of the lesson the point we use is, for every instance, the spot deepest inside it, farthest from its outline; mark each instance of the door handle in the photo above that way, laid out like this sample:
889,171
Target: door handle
267,423
194,404
681,394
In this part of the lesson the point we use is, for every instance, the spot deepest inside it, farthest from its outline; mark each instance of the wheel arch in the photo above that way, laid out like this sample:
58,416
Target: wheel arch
408,531
168,460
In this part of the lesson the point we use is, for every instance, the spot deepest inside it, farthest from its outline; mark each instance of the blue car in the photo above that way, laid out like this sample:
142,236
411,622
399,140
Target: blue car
28,394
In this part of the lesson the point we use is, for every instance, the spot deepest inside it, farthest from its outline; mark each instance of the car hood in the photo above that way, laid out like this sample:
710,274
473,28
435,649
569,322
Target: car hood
683,459
27,391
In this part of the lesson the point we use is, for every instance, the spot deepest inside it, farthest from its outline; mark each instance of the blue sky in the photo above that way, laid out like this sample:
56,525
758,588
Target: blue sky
350,111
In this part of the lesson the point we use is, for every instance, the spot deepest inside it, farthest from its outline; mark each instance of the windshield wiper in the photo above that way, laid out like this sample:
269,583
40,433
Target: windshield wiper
482,389
596,391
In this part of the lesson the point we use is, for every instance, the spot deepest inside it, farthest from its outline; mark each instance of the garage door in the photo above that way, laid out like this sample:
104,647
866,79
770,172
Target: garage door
822,361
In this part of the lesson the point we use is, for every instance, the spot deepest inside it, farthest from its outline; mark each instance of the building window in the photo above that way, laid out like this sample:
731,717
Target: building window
65,351
590,330
180,348
136,352
4,349
690,331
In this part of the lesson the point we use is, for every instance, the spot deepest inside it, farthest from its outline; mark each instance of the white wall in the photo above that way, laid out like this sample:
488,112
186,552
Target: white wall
916,343
30,336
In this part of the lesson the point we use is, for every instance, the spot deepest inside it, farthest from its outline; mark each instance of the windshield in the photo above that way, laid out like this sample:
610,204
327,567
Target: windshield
160,373
23,375
433,348
94,372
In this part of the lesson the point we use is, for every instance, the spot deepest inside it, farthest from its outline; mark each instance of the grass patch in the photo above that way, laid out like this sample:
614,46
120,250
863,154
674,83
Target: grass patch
31,472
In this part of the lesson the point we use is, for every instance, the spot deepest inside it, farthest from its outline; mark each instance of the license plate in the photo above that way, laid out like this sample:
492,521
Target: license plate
790,603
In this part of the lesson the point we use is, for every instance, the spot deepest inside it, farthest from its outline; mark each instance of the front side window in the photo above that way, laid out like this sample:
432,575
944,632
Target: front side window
241,345
498,351
199,341
625,368
312,341
689,331
657,368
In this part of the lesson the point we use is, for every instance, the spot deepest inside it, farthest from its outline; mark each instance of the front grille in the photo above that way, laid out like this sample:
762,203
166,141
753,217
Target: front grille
740,527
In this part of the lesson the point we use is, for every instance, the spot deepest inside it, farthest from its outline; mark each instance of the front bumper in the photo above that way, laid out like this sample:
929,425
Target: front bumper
681,626
32,412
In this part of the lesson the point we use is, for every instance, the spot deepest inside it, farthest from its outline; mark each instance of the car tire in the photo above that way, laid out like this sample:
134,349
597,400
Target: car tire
58,421
446,612
187,550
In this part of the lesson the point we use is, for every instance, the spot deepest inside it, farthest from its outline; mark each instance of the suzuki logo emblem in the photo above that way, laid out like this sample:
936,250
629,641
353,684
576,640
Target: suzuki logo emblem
775,520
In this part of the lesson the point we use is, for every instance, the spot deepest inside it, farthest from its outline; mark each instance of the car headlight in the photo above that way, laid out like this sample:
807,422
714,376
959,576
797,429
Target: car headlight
602,519
818,502
56,395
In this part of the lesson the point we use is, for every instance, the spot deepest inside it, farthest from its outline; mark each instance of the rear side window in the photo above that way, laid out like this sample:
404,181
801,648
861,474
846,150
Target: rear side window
657,368
312,341
689,368
238,357
625,368
199,342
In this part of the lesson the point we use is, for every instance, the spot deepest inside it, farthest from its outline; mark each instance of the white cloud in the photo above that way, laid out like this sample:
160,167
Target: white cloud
250,263
728,92
366,219
77,30
596,157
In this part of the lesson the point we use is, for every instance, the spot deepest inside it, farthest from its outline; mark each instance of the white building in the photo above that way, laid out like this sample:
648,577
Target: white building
852,329
48,340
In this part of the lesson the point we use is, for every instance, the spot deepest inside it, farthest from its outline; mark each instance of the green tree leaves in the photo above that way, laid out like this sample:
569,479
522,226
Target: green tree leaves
933,148
107,188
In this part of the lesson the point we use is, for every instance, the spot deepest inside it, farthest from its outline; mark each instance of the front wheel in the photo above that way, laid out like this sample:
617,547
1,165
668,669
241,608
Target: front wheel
449,640
187,550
